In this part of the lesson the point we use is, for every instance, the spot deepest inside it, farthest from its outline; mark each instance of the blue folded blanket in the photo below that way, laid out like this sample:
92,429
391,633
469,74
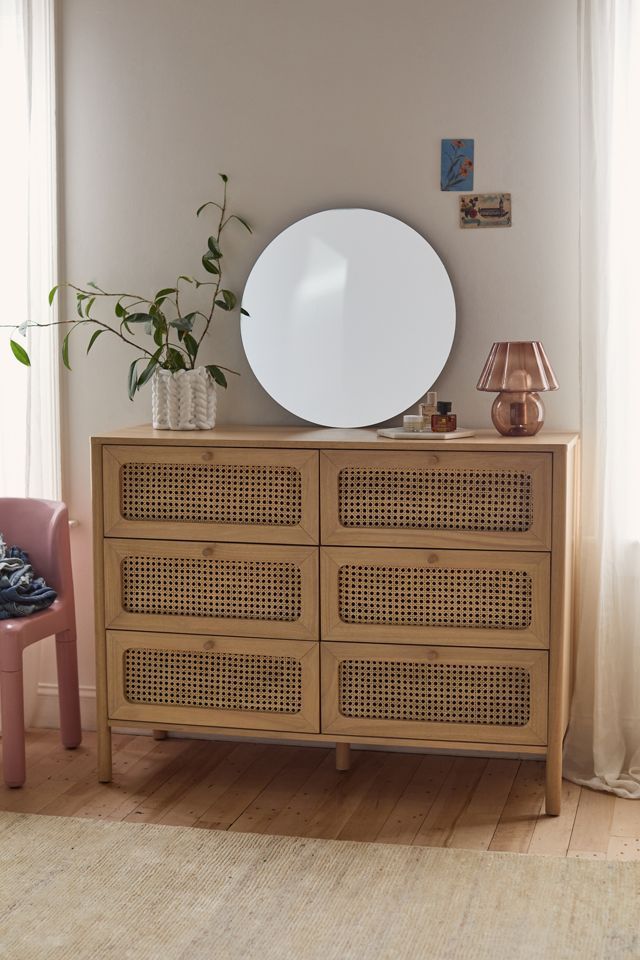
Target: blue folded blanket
21,593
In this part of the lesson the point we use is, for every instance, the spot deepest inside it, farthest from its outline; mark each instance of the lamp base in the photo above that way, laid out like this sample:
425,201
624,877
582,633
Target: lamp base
517,414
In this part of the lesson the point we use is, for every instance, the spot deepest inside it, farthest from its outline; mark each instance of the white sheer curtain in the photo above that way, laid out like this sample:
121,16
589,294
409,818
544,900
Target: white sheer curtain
29,428
29,425
603,744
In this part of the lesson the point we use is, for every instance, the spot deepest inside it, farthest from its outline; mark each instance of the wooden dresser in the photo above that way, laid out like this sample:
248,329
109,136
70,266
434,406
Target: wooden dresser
328,585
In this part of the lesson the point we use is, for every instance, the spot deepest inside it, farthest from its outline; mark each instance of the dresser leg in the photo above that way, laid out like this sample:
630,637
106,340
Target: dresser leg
159,734
343,756
553,792
105,768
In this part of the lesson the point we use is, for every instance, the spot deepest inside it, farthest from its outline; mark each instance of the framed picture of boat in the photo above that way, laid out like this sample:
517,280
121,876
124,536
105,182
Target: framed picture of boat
485,210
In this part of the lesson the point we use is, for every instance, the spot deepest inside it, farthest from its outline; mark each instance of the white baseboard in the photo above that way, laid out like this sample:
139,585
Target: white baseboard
46,710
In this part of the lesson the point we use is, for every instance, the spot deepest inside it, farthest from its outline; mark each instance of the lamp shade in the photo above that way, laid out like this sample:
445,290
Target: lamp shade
517,367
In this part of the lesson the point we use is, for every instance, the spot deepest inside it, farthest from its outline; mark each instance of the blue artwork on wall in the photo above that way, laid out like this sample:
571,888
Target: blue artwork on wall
456,165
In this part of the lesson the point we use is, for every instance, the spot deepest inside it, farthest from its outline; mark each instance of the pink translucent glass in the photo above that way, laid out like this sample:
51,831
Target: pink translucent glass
518,370
517,366
517,414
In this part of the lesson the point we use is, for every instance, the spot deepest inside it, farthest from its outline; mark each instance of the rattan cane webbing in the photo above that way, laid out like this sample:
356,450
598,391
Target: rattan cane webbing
211,493
498,599
221,681
436,499
195,587
435,692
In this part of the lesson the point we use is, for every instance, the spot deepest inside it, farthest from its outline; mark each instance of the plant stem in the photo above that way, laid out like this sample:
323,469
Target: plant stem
219,280
99,323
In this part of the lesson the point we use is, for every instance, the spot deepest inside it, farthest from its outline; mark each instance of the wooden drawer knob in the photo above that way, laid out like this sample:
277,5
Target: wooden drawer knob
208,645
208,552
207,455
433,558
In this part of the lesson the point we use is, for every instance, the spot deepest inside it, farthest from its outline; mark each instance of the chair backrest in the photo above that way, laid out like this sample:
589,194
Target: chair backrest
41,528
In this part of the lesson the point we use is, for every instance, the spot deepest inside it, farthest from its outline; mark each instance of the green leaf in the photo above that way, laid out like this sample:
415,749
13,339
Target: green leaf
81,297
217,374
208,265
184,323
65,351
119,310
234,216
222,304
133,379
20,353
223,177
229,298
53,292
94,285
139,318
215,253
188,279
175,360
209,203
88,306
191,345
147,373
244,312
94,337
165,292
159,330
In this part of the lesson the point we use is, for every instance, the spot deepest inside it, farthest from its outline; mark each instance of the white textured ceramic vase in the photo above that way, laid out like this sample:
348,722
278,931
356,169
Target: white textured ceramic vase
185,400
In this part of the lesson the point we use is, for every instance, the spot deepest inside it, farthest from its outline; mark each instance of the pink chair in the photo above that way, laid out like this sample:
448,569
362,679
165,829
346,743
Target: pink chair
41,528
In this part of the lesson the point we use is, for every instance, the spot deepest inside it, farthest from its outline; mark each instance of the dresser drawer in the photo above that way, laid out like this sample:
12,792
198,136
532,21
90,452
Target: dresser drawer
468,597
434,693
213,681
253,590
441,499
209,493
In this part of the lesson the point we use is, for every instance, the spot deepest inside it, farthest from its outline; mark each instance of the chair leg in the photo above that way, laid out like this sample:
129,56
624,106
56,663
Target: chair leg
68,694
12,703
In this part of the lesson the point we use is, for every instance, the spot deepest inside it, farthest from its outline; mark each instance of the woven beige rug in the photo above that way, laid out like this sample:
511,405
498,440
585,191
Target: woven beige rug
77,889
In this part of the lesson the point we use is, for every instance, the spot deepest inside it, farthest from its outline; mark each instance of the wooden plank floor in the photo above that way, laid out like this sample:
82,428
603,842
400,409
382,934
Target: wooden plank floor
441,801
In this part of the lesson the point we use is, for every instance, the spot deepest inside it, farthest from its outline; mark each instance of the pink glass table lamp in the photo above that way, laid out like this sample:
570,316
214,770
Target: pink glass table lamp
519,371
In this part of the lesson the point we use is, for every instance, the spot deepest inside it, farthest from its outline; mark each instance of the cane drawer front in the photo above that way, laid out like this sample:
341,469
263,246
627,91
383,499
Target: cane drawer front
468,597
247,590
434,693
209,493
441,499
213,681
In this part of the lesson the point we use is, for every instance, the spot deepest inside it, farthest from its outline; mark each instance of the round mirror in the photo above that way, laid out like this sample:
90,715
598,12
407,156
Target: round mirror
352,317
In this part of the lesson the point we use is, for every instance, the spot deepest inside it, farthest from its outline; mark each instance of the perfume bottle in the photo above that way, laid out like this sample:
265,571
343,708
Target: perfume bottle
444,421
429,407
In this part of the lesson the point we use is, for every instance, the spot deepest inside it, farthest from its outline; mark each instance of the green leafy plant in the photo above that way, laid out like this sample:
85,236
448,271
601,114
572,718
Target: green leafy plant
174,334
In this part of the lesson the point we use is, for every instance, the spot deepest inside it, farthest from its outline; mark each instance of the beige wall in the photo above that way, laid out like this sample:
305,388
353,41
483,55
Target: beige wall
310,104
